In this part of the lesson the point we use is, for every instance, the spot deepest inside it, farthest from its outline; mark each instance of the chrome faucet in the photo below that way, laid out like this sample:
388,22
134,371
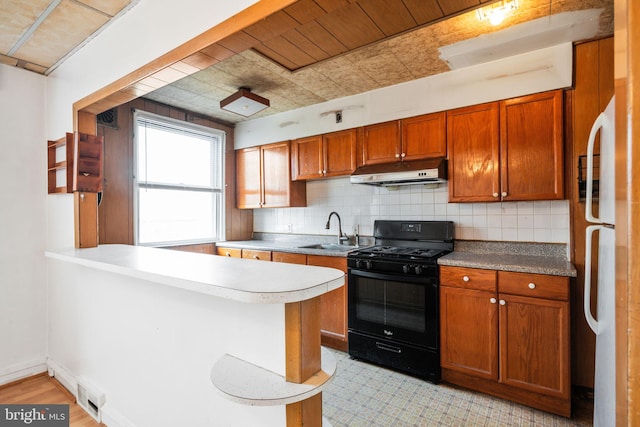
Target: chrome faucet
341,236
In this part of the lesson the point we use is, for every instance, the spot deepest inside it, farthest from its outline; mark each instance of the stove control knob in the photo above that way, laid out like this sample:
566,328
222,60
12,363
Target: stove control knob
418,270
358,263
368,264
405,268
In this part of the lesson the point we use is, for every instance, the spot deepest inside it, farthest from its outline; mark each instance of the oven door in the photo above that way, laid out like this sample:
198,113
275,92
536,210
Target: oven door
394,307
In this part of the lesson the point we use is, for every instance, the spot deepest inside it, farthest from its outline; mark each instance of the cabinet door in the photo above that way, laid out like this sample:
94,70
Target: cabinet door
307,158
424,137
534,344
381,143
339,152
469,331
276,179
333,305
248,181
473,139
531,147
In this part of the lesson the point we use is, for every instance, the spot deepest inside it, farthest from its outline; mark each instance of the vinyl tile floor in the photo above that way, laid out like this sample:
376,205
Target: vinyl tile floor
363,394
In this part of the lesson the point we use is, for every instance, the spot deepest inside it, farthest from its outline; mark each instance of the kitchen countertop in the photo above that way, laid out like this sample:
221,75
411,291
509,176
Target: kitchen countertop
291,246
553,266
232,278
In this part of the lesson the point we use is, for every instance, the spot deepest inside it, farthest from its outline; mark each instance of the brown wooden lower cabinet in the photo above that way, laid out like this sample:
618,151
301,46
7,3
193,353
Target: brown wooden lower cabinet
230,252
333,305
507,334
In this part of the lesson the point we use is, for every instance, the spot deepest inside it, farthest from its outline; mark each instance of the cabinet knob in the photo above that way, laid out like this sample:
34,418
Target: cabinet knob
403,155
324,172
228,253
495,194
504,194
502,302
465,278
397,155
493,300
319,172
532,285
256,257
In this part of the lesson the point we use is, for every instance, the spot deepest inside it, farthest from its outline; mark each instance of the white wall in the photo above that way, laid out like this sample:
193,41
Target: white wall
22,223
540,221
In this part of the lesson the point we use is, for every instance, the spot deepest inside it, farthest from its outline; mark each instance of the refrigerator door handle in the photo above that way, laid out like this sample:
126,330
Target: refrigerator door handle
593,323
600,122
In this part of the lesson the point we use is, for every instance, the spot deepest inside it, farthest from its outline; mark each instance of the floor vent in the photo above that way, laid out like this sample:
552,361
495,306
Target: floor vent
108,118
91,400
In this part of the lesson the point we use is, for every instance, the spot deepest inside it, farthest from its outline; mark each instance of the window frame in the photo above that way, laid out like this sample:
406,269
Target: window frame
186,127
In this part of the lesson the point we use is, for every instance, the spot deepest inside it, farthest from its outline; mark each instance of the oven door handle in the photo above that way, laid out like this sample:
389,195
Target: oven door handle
387,347
395,277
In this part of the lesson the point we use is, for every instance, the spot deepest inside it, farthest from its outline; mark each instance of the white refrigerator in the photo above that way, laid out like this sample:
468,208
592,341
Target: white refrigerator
603,221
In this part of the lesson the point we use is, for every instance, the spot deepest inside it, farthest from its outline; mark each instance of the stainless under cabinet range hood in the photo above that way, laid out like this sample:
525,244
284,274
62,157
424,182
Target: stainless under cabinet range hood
431,171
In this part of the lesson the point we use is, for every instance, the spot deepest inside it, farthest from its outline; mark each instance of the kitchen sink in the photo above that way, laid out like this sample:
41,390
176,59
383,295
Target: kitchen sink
330,247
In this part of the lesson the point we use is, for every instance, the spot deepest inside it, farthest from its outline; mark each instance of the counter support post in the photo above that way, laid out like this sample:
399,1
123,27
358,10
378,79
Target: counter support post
302,326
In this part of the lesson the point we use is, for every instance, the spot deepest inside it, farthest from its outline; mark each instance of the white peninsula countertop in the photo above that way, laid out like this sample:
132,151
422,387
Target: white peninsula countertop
241,280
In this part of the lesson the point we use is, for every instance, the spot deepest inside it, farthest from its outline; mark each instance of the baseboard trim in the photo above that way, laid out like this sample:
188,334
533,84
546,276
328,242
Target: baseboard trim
110,416
22,370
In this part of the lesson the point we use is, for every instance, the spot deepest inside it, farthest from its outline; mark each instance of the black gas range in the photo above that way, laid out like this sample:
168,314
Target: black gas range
394,296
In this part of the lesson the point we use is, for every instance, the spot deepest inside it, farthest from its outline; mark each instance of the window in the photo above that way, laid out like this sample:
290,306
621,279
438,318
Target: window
178,181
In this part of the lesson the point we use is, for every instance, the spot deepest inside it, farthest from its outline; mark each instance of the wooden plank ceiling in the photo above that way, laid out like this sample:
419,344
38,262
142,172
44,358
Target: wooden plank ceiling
310,31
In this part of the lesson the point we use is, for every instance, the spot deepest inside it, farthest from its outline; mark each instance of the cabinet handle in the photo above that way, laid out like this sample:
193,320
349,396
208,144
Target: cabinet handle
465,278
504,194
502,302
495,195
532,285
493,300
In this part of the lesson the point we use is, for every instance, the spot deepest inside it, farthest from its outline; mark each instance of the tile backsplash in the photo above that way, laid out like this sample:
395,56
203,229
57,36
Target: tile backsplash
359,205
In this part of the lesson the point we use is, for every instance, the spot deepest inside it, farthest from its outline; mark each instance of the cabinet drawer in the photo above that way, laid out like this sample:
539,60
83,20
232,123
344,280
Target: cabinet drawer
470,278
256,254
534,285
289,257
230,252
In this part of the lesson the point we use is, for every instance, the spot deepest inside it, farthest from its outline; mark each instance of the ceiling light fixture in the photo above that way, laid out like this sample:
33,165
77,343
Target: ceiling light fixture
496,12
244,102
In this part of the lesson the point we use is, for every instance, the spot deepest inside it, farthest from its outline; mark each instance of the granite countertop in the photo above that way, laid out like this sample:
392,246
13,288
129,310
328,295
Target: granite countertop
508,256
232,278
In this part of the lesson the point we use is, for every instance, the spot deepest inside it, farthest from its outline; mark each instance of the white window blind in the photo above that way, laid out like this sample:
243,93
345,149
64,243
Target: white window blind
178,181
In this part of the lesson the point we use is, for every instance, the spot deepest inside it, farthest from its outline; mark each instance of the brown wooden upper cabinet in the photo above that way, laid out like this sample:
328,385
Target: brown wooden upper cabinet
263,178
415,138
506,151
322,156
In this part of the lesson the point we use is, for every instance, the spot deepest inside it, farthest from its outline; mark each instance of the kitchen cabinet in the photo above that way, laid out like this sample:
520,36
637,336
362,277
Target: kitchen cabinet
333,305
230,252
506,151
263,178
414,138
507,334
256,254
291,258
323,156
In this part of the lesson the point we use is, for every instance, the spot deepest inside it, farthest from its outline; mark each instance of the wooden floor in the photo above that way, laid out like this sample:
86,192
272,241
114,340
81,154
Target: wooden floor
41,389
